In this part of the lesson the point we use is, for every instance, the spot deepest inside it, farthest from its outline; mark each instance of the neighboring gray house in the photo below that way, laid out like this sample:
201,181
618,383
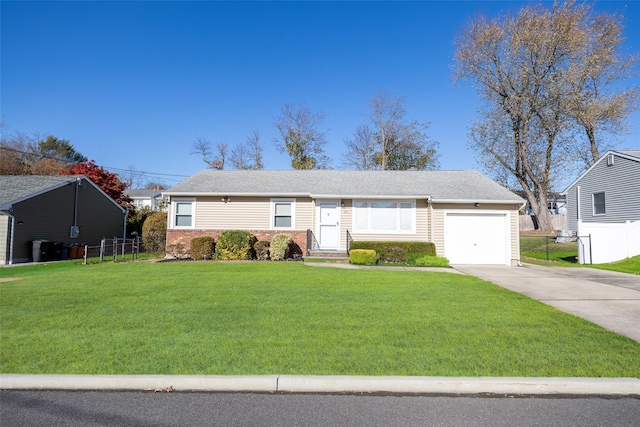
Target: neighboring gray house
64,209
604,202
470,218
151,199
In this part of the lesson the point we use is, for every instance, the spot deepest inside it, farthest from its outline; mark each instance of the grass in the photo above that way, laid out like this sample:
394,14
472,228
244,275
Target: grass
629,265
534,249
287,318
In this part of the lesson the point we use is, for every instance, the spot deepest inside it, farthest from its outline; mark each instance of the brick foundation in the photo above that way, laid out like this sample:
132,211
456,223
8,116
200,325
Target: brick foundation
183,237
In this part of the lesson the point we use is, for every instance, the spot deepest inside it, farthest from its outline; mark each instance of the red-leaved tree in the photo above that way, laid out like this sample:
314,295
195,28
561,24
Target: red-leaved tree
107,181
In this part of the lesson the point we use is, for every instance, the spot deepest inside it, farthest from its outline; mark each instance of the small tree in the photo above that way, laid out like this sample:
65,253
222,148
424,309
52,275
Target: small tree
109,182
154,232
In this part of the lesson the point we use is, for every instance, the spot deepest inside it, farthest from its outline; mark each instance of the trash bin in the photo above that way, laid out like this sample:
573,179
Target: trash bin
55,251
39,250
65,252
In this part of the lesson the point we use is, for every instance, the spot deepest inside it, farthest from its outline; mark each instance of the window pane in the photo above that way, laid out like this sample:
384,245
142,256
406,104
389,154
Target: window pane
183,208
183,221
361,215
406,216
384,216
283,208
598,204
283,221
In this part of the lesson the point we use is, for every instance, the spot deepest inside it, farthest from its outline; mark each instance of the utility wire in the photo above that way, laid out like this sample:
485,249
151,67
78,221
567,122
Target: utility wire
156,175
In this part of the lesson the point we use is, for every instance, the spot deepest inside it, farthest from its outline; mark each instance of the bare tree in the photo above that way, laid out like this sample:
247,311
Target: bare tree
392,143
600,106
361,149
202,147
525,68
248,155
132,178
301,137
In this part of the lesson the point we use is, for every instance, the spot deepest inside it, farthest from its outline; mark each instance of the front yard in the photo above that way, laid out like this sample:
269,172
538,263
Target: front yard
287,318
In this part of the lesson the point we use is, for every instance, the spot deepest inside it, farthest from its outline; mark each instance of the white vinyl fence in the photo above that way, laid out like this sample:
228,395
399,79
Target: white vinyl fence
608,242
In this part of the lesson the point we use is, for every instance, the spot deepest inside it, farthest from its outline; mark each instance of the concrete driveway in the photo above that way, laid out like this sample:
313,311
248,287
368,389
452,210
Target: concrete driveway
609,299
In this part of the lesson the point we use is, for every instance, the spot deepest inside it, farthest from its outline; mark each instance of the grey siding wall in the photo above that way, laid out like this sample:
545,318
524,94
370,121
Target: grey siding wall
49,216
621,185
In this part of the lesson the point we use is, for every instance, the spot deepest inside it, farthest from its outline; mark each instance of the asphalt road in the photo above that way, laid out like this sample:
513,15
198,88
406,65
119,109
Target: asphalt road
148,409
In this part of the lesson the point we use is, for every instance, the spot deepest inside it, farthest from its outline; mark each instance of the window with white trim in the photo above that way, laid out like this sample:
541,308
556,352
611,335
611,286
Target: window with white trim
384,216
599,204
283,214
183,213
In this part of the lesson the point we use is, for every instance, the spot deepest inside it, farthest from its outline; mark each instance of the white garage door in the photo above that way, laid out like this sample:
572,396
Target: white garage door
476,238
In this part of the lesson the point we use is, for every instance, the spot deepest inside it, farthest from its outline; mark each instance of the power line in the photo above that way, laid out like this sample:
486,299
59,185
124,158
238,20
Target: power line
156,175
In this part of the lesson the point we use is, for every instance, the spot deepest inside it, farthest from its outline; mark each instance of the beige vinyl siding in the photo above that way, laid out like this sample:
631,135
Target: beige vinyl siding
246,213
4,239
514,229
304,214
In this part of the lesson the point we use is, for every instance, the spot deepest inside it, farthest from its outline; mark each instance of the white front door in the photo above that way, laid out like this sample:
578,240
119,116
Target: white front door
328,225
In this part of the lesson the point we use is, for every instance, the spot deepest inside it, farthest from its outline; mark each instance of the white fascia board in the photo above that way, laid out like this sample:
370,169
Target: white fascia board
502,202
367,196
230,194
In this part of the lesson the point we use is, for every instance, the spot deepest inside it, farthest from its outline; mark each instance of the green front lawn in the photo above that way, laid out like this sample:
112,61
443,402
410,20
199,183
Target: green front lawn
287,318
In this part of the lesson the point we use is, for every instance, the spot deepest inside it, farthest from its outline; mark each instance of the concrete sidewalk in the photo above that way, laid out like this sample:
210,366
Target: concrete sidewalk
328,384
609,299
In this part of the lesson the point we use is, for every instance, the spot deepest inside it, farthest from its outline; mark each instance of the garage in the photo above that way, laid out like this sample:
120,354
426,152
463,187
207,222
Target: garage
477,238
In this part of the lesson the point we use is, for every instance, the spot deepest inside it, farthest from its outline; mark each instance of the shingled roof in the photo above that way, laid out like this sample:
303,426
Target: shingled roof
438,185
14,189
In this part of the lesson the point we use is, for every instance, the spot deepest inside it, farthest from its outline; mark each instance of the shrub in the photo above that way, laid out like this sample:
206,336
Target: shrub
396,251
235,244
135,220
262,250
154,232
279,249
432,261
202,247
363,257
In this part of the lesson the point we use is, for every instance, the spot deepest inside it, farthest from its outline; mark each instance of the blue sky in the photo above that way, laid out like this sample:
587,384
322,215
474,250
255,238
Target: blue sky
134,84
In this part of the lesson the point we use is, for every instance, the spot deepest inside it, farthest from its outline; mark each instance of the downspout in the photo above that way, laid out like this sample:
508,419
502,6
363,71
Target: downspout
75,204
124,233
13,228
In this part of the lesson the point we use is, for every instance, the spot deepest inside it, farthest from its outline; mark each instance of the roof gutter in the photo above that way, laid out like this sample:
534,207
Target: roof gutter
501,202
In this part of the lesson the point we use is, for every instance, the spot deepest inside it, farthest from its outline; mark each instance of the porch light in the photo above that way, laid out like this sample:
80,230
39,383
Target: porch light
226,199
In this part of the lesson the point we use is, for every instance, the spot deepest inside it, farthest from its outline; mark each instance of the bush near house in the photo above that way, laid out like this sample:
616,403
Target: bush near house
202,247
363,257
154,232
235,245
279,249
262,250
396,252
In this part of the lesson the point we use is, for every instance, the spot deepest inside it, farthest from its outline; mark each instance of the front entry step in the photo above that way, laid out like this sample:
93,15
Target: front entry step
329,255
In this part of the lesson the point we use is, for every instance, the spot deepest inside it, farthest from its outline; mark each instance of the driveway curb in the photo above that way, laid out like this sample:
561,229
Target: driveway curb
327,384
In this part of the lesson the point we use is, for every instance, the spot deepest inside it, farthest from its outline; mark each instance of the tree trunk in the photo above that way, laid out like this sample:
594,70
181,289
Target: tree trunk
541,211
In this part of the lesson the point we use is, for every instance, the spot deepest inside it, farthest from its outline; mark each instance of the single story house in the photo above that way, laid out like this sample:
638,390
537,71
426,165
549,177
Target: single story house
151,199
603,208
470,218
64,209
